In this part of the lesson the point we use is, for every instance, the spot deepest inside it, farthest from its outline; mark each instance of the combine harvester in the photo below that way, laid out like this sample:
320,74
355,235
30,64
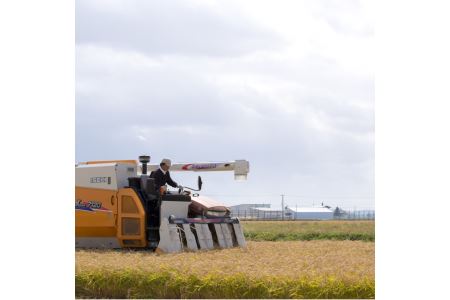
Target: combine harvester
116,208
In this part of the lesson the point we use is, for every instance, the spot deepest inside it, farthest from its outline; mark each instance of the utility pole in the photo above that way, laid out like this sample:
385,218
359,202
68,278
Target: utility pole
282,207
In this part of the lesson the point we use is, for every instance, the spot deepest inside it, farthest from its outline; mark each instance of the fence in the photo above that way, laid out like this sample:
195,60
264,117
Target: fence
254,214
358,215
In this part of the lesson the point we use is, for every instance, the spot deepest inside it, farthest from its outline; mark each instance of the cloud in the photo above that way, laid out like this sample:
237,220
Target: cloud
168,27
302,115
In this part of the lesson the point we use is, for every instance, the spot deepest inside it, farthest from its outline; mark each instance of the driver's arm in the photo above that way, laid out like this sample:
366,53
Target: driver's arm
170,181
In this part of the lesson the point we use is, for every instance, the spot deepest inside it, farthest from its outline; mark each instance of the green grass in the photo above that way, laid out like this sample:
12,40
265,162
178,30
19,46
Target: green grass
174,284
309,230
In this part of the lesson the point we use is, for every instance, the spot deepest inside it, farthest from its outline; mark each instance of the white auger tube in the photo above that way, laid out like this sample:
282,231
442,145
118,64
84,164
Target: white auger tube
240,167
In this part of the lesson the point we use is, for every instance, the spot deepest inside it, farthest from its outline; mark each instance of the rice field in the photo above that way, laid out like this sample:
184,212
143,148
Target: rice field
288,269
309,230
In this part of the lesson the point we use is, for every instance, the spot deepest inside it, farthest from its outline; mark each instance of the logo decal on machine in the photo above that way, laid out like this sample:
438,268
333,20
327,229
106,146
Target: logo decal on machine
198,166
89,205
100,180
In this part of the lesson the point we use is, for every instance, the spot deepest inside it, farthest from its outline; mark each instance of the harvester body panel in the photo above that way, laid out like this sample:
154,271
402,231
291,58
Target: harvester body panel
131,221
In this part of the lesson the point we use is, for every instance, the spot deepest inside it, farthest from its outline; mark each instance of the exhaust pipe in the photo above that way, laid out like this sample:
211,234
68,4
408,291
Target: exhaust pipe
144,160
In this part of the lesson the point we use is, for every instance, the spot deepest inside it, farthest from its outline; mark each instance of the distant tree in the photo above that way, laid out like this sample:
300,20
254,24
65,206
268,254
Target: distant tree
338,212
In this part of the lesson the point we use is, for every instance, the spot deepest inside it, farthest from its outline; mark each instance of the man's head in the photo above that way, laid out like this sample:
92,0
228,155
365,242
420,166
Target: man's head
165,164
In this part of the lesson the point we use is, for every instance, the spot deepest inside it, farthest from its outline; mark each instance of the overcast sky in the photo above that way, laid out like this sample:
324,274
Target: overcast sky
287,85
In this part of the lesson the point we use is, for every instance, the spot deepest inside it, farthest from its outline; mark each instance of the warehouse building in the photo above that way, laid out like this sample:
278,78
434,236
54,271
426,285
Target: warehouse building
246,210
311,213
266,213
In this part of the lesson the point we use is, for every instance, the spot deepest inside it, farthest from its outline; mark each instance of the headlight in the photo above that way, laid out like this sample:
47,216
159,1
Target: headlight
215,213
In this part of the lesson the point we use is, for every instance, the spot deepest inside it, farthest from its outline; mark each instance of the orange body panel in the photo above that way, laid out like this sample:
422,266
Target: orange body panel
95,213
100,213
139,239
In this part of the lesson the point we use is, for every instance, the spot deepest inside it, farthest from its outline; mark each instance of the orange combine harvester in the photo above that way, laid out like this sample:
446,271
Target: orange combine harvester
118,206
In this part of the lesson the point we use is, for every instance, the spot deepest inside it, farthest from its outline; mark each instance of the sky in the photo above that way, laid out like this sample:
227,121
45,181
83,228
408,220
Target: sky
286,85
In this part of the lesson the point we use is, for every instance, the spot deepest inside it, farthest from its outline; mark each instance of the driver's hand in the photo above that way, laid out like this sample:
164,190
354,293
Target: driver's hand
163,190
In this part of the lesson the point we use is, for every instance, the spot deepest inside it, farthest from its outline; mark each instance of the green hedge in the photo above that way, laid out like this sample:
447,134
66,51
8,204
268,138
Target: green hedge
300,236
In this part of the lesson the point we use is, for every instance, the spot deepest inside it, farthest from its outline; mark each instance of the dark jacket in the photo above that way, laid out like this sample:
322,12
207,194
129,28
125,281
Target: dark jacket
161,179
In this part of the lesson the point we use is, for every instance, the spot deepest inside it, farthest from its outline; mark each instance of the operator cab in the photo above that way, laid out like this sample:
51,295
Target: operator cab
157,206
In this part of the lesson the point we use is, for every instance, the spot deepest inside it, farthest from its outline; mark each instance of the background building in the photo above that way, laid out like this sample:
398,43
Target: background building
311,213
246,210
266,212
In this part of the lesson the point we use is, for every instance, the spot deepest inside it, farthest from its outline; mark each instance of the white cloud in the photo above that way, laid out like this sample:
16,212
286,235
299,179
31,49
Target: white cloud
168,27
287,85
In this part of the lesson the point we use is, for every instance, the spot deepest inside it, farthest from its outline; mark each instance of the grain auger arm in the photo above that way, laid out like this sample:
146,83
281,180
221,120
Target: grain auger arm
240,167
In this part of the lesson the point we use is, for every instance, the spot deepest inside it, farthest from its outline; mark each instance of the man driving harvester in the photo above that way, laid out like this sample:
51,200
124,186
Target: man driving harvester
162,177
